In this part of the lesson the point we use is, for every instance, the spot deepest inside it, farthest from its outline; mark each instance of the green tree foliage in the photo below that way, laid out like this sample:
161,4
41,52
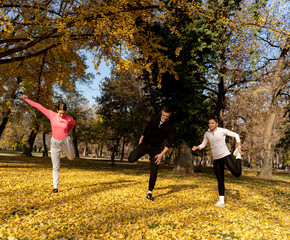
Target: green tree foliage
121,108
185,94
40,86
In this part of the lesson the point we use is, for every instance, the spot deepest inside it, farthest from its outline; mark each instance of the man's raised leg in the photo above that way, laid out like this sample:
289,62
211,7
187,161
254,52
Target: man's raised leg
138,152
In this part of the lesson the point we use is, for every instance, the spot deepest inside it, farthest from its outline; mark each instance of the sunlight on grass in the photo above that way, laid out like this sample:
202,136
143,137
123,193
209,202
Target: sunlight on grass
98,201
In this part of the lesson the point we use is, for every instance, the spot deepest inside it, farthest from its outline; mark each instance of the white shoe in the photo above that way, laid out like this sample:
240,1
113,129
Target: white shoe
220,204
236,152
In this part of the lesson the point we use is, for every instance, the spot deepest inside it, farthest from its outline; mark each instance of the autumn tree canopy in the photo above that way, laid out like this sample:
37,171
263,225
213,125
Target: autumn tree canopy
107,28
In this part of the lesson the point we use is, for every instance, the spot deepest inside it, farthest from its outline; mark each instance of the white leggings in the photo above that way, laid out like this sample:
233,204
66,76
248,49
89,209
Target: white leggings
56,146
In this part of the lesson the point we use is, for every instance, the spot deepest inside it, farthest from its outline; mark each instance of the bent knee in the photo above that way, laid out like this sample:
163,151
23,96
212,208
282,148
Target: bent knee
71,157
238,175
55,169
131,159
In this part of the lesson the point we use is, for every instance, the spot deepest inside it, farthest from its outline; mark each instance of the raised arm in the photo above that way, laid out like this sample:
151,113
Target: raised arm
45,111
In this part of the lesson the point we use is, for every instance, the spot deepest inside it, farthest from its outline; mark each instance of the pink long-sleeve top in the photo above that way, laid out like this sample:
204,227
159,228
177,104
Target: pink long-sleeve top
60,126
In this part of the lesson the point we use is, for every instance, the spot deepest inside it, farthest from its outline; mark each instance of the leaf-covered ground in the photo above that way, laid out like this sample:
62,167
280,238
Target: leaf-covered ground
98,201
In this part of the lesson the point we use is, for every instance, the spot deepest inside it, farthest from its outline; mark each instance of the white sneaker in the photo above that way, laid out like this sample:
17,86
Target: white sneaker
220,204
236,152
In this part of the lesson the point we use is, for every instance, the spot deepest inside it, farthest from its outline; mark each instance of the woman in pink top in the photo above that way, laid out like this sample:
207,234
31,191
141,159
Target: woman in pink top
216,137
61,125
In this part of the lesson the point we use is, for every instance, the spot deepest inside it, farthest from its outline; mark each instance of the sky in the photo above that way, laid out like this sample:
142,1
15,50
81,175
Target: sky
92,90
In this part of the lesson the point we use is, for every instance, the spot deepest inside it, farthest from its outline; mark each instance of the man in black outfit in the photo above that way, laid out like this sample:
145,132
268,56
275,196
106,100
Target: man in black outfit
156,131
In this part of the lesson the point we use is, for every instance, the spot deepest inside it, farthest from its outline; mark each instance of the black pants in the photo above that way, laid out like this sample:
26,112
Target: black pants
140,151
234,165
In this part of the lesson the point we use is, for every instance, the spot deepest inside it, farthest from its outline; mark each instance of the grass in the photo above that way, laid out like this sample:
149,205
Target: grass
100,201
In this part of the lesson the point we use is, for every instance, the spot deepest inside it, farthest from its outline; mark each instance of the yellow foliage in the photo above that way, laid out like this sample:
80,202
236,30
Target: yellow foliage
92,25
96,201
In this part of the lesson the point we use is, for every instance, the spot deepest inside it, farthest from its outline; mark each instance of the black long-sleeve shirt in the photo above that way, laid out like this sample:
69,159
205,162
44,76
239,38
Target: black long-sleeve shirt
154,135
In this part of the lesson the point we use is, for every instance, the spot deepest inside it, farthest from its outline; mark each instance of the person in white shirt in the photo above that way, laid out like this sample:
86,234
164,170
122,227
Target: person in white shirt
216,137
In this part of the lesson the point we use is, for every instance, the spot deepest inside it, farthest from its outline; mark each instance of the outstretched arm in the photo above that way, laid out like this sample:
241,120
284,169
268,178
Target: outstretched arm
202,145
194,148
159,156
45,111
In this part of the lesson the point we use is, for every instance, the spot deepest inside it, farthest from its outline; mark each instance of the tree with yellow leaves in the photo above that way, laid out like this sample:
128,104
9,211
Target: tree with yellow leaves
46,91
107,28
41,78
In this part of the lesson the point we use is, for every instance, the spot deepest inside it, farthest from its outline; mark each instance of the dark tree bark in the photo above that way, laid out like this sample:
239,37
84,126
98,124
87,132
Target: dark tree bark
114,149
7,111
123,148
31,139
45,151
221,104
184,163
4,121
75,142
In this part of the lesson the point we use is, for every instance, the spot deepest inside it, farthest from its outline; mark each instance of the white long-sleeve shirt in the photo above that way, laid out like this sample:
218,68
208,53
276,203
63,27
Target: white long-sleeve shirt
217,141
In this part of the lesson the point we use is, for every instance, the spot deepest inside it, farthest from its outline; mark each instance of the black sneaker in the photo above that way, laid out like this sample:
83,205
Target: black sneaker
55,190
149,196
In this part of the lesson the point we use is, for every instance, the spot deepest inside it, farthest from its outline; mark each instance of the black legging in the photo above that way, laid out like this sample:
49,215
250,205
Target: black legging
140,151
233,164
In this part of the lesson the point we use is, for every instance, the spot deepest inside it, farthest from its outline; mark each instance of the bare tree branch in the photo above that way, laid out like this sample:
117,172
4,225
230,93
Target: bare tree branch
16,59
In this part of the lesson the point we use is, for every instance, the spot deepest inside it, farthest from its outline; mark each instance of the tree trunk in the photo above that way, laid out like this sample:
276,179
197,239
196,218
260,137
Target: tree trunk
33,134
7,112
95,151
113,158
101,150
278,85
45,152
221,95
75,142
266,171
114,150
31,139
86,151
4,122
123,148
184,163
